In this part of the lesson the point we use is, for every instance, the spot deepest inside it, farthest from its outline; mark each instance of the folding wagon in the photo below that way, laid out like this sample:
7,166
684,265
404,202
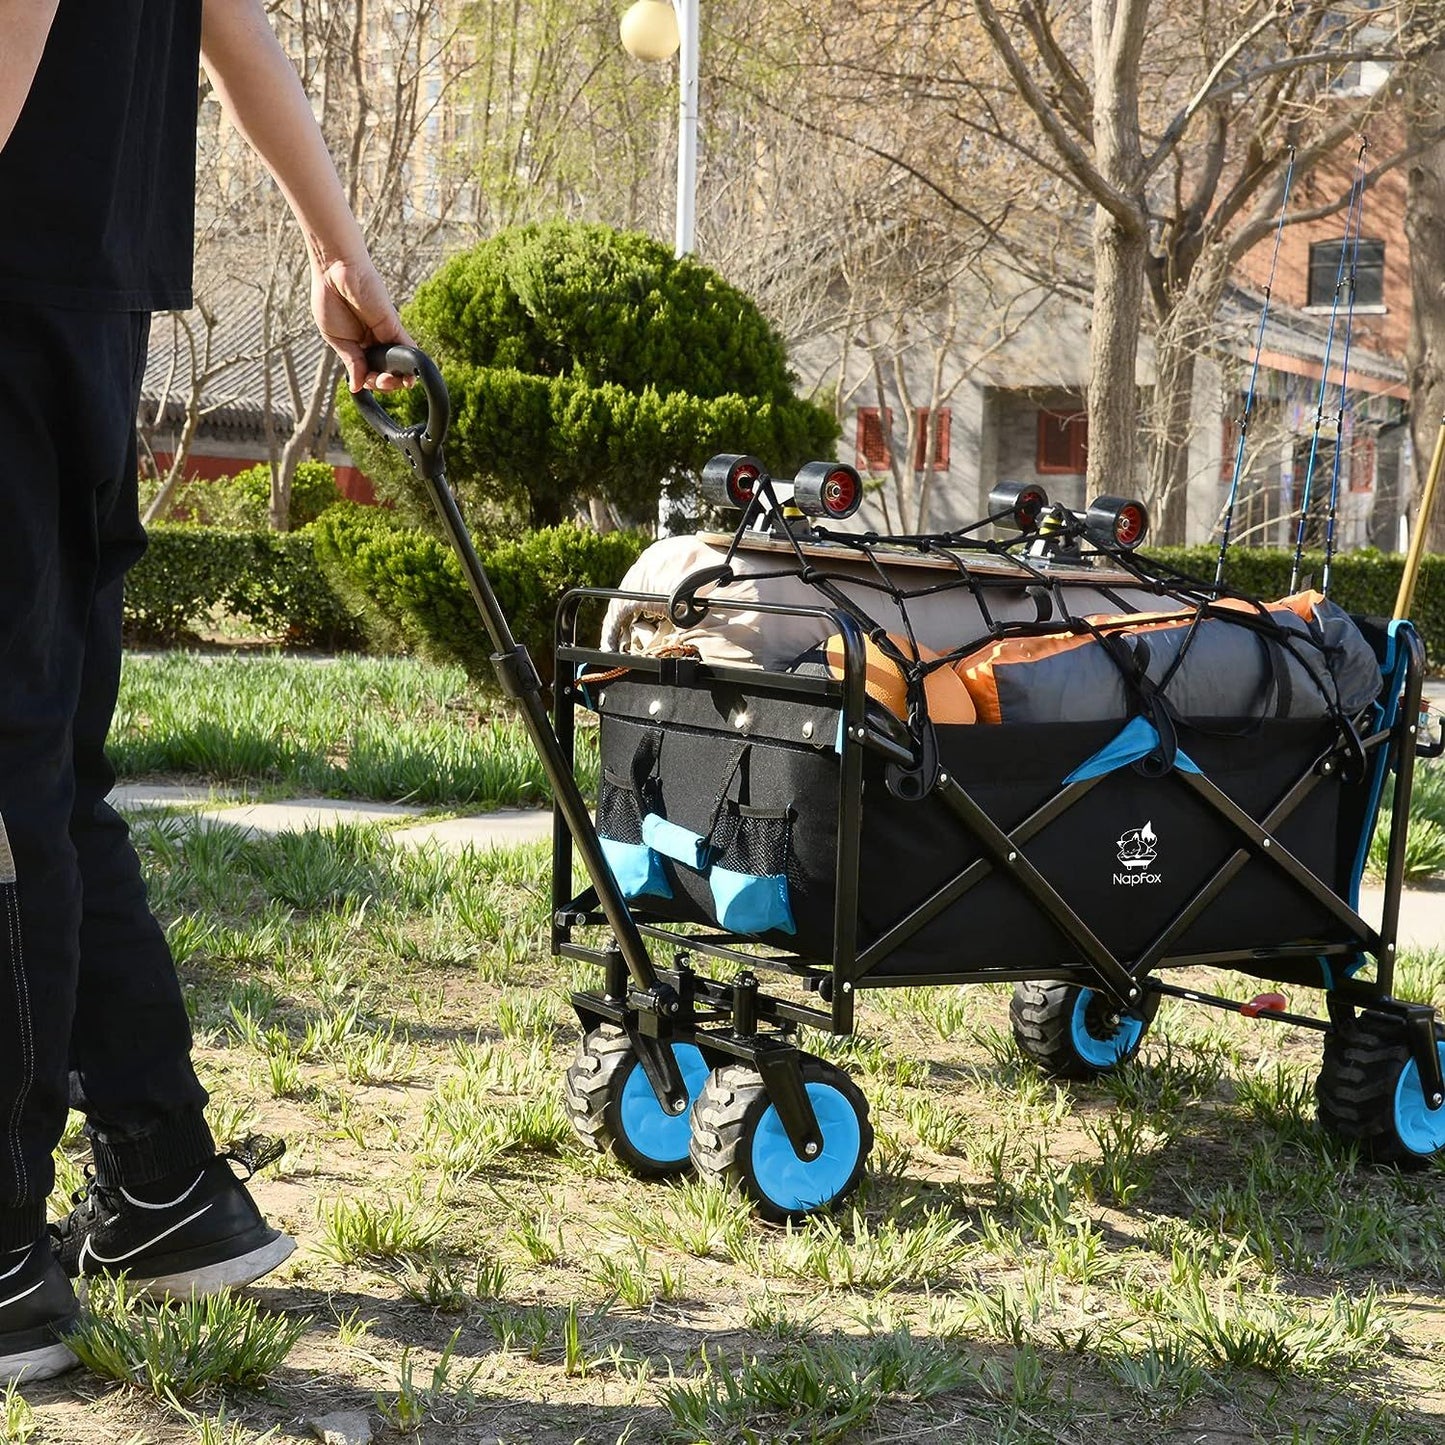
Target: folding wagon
834,762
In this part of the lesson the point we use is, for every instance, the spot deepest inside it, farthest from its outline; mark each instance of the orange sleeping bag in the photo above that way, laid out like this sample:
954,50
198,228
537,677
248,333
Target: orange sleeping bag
1316,658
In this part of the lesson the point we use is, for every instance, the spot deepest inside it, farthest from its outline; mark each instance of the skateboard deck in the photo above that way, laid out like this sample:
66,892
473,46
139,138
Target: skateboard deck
984,563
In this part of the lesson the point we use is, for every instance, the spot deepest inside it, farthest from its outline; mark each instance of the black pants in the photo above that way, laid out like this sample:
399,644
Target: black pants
90,1008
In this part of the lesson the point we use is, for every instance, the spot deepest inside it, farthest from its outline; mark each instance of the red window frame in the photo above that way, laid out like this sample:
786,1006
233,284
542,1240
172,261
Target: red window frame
1362,462
942,420
1063,443
875,428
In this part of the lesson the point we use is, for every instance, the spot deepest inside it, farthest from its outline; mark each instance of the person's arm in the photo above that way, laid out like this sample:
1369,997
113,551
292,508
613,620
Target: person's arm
261,93
25,24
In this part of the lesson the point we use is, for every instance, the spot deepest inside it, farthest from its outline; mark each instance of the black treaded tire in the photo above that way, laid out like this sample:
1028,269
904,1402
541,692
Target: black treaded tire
592,1096
1356,1092
1042,1014
725,1134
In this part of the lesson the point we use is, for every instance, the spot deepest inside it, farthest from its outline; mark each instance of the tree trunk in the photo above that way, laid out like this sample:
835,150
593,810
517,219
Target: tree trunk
1181,332
298,444
1113,351
1171,416
175,474
1121,240
1425,231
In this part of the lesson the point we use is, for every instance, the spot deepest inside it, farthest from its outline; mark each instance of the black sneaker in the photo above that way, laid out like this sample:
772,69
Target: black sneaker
207,1236
37,1307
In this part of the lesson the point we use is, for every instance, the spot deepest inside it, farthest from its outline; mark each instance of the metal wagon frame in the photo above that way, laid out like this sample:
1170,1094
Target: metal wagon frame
713,997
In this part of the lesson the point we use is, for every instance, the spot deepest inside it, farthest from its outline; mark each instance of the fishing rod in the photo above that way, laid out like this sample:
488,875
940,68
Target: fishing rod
1253,377
1308,484
1344,377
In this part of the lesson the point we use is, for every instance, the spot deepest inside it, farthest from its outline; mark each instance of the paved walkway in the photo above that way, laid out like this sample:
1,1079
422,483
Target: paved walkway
408,825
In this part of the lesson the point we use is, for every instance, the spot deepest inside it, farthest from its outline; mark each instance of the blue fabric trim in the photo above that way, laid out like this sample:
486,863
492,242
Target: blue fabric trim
751,902
673,841
637,869
1392,679
1137,740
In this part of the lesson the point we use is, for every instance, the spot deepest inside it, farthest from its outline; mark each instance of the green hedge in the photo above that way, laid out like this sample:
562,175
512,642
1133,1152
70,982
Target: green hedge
1362,582
406,586
269,579
243,502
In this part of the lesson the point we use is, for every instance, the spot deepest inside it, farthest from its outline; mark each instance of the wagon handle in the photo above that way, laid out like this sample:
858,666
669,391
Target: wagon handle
421,444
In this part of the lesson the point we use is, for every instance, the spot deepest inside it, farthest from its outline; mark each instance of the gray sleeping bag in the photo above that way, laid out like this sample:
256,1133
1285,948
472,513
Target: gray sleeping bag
1231,669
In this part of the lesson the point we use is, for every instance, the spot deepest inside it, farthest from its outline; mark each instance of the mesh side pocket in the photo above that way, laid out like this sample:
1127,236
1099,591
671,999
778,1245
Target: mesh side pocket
749,875
638,870
618,815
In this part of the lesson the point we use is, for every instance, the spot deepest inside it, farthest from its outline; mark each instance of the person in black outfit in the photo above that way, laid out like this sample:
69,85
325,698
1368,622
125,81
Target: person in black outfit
97,173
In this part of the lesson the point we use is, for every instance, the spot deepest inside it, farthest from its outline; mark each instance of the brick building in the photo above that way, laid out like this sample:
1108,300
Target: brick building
1013,396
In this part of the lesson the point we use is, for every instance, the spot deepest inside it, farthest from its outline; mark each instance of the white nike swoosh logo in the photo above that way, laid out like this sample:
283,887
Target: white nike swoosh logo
15,1299
170,1203
87,1249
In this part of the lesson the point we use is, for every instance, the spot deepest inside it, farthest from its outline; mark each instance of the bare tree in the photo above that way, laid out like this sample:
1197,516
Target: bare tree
1425,229
201,369
1182,191
379,77
1166,127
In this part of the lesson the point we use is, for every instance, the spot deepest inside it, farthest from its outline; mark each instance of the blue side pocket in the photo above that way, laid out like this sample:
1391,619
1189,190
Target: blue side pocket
749,879
751,902
637,869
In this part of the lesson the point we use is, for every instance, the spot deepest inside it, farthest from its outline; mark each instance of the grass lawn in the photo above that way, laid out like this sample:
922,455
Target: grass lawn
1171,1254
348,727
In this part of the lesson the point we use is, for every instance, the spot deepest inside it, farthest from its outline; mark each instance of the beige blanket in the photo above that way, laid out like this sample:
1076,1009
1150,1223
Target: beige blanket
735,633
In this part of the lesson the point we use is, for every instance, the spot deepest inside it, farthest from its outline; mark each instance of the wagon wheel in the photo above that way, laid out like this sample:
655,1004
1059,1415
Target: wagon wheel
737,1138
612,1106
1369,1093
1074,1032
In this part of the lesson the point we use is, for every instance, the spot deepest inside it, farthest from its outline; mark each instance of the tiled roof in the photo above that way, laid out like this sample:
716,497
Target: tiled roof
1301,334
234,397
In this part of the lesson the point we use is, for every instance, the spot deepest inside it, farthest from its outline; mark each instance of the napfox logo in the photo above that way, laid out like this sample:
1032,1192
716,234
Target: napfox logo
1137,847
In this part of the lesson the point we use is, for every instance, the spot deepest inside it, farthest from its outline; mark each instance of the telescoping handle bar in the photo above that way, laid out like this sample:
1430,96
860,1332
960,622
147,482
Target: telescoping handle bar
421,445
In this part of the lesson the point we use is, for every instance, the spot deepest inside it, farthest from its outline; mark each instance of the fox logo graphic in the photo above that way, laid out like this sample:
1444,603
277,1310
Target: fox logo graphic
1137,850
1136,847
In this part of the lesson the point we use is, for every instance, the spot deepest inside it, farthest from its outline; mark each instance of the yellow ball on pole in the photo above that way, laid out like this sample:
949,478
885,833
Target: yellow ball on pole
649,30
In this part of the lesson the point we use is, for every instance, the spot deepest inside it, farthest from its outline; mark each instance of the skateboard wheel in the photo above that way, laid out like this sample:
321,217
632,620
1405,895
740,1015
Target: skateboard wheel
731,479
828,489
1018,503
1117,521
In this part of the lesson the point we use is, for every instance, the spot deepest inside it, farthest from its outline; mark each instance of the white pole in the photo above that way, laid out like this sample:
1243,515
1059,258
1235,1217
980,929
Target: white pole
687,28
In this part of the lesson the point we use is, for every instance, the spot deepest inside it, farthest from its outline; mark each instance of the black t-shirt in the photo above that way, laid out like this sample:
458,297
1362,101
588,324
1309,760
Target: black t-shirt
97,180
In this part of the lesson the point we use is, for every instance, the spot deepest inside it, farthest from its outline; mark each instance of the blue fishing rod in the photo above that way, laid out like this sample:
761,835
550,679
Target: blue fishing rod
1356,187
1253,378
1344,376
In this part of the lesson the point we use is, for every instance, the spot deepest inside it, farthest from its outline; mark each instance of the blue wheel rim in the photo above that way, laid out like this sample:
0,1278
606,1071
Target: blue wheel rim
797,1184
1102,1053
657,1136
1421,1129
